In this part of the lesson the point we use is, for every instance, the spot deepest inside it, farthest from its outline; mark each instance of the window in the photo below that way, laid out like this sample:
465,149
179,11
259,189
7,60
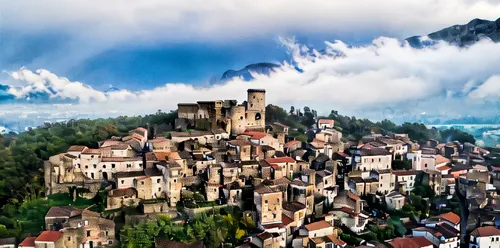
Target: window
265,201
95,166
142,182
157,180
88,233
123,181
175,180
381,177
113,166
86,223
425,165
241,117
106,233
110,242
69,238
379,160
159,189
86,166
104,166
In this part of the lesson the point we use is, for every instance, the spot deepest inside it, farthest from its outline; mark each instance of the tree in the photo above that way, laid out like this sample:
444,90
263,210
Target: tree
307,109
292,110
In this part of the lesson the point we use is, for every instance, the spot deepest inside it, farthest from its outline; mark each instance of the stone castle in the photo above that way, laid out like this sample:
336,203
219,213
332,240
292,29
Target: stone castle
227,115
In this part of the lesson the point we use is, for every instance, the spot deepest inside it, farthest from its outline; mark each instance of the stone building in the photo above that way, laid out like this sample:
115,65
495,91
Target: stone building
226,115
268,203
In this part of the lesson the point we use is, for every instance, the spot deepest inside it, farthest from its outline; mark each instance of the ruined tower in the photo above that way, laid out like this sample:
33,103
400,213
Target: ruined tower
256,109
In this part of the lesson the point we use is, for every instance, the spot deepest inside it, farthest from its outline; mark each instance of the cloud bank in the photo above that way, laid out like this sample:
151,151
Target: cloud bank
158,20
385,79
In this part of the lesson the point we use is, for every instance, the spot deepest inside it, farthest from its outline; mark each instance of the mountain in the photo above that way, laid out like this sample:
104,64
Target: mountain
245,73
461,35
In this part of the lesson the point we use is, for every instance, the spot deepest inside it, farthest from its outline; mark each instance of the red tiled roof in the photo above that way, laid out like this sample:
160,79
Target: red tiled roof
286,220
49,236
76,148
164,156
291,143
28,242
326,121
443,168
255,135
485,231
318,225
279,160
413,242
440,159
451,217
92,151
336,240
353,196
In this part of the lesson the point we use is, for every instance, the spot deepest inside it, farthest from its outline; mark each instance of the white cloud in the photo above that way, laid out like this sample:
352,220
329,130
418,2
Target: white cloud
368,80
159,20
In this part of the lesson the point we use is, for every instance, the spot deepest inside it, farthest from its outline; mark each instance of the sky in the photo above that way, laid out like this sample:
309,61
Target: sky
58,58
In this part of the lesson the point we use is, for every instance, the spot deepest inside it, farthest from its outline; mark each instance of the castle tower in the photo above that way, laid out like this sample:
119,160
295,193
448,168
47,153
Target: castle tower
256,109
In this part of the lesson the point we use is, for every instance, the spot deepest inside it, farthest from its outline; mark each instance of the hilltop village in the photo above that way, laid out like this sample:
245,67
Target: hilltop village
380,191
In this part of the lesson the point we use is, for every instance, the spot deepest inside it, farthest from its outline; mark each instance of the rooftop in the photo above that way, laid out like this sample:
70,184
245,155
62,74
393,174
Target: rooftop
451,217
318,225
49,236
485,231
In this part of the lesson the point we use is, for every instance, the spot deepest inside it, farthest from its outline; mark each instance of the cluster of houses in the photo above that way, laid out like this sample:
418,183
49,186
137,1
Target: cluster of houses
300,194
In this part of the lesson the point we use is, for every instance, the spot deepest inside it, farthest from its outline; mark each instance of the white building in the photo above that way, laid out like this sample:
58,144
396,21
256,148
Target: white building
486,236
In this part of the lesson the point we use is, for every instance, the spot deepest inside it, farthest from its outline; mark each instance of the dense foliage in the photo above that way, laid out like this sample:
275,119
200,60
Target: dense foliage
227,226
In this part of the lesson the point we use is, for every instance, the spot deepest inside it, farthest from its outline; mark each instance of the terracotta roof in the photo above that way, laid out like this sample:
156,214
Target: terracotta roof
240,142
62,211
279,160
298,182
485,231
92,151
164,156
293,206
443,168
375,151
318,225
107,143
413,242
285,219
353,196
122,146
265,235
76,148
451,217
264,189
120,159
255,135
280,124
440,159
326,121
28,242
49,236
336,240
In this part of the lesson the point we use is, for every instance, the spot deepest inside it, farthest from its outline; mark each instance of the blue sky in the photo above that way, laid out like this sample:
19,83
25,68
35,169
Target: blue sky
159,53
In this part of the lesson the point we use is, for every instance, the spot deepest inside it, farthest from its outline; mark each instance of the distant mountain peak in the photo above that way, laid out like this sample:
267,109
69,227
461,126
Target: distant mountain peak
462,35
245,73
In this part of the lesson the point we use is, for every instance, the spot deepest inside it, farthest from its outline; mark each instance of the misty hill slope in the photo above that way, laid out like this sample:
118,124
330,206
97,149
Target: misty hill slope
245,73
463,35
